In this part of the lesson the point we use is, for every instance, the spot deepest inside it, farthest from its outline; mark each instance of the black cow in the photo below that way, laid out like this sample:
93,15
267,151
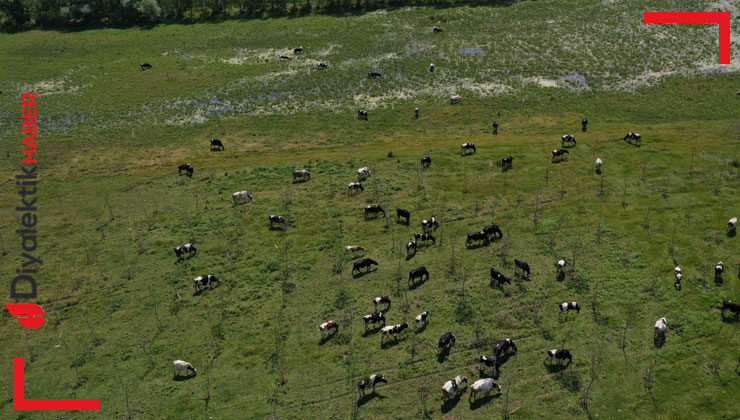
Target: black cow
499,278
495,127
216,144
370,382
321,66
426,161
146,66
504,346
420,273
362,114
506,163
297,50
363,263
416,113
278,220
493,230
568,138
188,168
411,246
732,306
424,237
187,249
354,187
403,213
284,58
382,300
436,29
373,210
476,236
446,341
373,75
467,147
584,124
374,318
559,355
521,265
559,153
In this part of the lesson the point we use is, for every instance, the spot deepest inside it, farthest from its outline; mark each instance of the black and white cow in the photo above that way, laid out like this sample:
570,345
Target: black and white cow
584,124
569,306
679,276
731,224
421,318
499,278
187,249
363,173
353,187
301,174
362,114
731,306
561,265
420,273
363,263
373,210
188,168
482,386
385,300
521,265
455,99
436,29
373,75
476,236
718,270
370,383
411,248
392,331
241,197
488,362
568,138
446,341
403,213
559,153
661,326
425,237
278,221
206,280
183,366
146,66
374,318
297,50
321,66
633,136
431,67
599,165
355,249
426,161
416,113
559,355
430,223
328,326
506,163
493,230
452,387
283,58
216,144
503,346
467,148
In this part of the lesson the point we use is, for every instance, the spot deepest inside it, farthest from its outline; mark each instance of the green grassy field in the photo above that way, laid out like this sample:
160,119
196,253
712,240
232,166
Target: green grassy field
120,309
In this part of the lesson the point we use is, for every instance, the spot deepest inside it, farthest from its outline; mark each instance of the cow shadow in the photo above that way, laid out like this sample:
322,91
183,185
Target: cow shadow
367,397
633,142
479,402
362,273
416,284
390,343
556,367
659,340
442,355
422,328
370,331
598,171
280,228
180,378
505,168
448,405
718,280
560,276
326,338
410,256
730,319
476,246
731,233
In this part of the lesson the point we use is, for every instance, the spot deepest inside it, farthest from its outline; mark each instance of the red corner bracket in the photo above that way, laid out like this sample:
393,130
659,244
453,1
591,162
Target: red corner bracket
721,18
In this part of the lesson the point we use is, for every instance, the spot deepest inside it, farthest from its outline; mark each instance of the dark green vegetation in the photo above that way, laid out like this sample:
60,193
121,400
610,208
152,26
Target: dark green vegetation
112,208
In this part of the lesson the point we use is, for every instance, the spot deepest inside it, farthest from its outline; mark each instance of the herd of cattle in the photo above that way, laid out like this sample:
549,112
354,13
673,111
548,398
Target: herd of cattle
377,319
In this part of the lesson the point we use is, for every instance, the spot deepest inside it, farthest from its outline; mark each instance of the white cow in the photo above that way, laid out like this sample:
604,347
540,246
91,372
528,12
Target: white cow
455,99
661,326
482,385
181,365
452,387
241,197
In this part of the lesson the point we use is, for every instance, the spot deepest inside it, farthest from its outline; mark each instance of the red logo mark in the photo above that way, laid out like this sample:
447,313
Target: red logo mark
30,315
721,18
19,403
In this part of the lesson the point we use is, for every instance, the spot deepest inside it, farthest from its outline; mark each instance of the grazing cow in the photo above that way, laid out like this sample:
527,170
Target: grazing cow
279,221
436,29
297,50
188,168
403,213
216,144
181,365
373,75
488,362
421,318
411,246
484,385
431,68
499,278
731,306
363,173
374,318
559,355
633,136
362,114
301,174
328,325
452,387
584,124
493,230
392,331
354,249
363,263
719,269
568,138
476,236
416,113
599,164
732,224
420,273
504,346
430,223
201,281
187,249
455,99
679,276
446,341
353,187
561,265
384,300
241,197
284,58
559,153
321,66
373,210
426,161
370,382
146,66
506,163
661,326
495,127
521,265
569,306
424,237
